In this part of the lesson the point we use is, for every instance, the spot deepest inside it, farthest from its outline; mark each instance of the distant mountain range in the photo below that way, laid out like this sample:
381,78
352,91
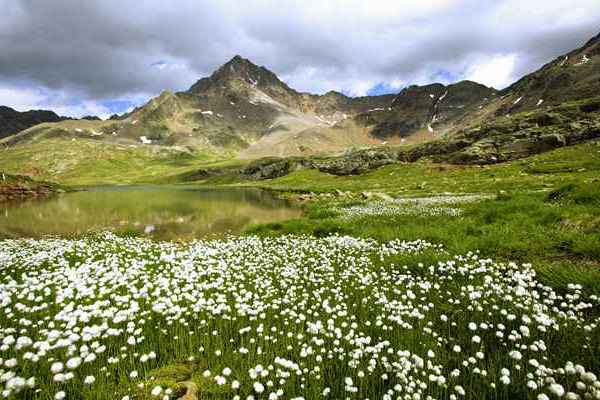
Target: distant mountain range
244,110
12,121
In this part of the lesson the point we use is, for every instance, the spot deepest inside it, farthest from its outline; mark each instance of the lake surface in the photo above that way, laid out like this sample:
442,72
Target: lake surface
166,213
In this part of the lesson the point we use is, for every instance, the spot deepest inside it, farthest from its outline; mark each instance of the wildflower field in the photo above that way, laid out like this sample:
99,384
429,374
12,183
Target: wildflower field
488,295
286,318
414,206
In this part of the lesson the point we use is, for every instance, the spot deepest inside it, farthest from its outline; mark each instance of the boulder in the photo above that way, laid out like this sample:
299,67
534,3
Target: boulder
270,168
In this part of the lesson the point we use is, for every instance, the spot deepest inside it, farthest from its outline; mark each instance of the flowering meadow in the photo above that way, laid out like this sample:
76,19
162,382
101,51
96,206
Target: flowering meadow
290,317
430,206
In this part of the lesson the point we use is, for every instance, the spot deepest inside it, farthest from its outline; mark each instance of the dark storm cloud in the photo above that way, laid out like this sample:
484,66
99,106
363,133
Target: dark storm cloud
92,53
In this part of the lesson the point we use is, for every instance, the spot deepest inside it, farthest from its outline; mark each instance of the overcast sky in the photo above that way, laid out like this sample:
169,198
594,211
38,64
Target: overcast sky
99,57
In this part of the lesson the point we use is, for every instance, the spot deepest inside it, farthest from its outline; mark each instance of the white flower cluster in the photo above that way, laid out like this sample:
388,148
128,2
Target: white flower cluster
412,206
288,317
442,200
388,209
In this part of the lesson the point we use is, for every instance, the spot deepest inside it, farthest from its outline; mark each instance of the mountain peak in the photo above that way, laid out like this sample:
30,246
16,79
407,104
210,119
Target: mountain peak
237,69
13,121
241,68
238,61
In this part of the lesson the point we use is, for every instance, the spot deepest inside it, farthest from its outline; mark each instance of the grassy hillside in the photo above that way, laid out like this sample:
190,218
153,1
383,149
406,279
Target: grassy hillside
580,163
88,161
84,158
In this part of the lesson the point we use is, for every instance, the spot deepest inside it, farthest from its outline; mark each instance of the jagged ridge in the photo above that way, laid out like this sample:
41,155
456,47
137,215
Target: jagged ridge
246,110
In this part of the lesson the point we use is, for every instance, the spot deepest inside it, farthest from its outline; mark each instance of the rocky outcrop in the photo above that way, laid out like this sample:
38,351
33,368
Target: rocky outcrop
358,162
270,168
495,142
19,188
527,135
191,390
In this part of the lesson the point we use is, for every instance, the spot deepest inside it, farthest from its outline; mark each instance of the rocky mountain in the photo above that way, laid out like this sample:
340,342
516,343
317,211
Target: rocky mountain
12,121
495,141
241,109
572,76
435,107
244,110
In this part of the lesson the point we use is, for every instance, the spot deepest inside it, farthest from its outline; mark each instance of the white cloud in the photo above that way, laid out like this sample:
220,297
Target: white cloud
79,110
108,48
61,102
396,83
21,99
496,71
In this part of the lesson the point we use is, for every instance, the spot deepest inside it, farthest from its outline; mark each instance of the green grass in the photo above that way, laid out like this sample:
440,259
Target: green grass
560,235
546,210
93,162
580,163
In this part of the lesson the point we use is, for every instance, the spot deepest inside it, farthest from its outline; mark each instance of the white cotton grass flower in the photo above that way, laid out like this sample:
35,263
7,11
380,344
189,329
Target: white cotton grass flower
258,387
56,367
281,313
515,355
74,362
220,380
588,377
156,391
459,390
557,389
532,385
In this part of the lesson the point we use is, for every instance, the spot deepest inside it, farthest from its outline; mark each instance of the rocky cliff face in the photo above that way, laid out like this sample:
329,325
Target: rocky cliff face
435,108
